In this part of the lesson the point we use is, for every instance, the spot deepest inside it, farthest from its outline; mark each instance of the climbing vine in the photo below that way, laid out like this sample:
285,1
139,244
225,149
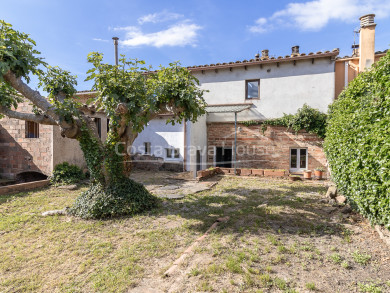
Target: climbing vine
306,118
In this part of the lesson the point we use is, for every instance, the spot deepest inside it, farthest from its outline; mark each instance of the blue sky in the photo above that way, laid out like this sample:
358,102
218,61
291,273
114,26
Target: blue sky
194,32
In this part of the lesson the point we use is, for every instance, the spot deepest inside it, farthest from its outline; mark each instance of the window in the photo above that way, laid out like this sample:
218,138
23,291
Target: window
252,89
31,129
298,159
147,147
172,153
98,123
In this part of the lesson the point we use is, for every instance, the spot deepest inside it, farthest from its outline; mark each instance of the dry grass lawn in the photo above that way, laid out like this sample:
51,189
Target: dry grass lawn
281,237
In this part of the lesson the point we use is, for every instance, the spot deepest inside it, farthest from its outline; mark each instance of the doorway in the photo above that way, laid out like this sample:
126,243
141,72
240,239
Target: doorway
198,160
223,157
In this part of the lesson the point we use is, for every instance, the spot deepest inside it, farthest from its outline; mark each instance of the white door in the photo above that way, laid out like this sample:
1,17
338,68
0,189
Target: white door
298,159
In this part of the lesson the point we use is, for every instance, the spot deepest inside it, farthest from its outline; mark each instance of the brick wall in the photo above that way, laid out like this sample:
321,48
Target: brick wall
19,154
268,150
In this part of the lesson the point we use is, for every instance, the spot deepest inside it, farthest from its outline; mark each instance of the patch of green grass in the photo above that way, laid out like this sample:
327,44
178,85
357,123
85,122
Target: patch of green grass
280,283
265,280
205,286
233,264
369,288
195,272
345,265
272,239
336,258
311,286
361,257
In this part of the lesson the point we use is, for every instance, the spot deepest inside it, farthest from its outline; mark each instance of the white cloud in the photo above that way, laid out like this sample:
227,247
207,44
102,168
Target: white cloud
180,34
314,15
100,40
159,17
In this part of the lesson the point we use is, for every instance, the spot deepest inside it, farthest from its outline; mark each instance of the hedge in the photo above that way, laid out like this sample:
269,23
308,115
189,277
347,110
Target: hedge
357,143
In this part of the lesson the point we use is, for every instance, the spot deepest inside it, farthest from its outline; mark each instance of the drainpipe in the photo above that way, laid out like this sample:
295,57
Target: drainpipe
116,49
235,143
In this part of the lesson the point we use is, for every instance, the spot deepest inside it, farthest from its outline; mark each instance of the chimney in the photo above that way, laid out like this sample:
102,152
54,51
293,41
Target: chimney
355,50
116,49
294,51
264,54
257,56
367,41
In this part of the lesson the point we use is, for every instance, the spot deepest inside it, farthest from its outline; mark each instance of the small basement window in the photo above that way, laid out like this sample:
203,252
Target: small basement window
147,147
298,159
252,89
31,129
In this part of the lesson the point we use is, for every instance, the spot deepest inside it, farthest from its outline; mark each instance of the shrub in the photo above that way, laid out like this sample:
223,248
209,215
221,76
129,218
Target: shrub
65,173
357,143
126,197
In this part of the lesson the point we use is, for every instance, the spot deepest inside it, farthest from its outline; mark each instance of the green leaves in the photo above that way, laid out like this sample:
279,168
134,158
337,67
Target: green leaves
306,118
17,53
357,142
65,173
145,93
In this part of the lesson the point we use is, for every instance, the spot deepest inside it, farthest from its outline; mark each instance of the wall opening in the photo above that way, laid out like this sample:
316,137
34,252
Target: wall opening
223,157
29,176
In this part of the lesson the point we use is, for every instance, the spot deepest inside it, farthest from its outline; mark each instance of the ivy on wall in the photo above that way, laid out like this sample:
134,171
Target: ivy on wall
306,118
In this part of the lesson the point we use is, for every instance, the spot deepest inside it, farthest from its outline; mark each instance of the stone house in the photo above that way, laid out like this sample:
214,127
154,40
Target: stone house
250,90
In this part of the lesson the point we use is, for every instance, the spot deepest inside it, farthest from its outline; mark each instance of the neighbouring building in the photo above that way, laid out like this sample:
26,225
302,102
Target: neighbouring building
261,88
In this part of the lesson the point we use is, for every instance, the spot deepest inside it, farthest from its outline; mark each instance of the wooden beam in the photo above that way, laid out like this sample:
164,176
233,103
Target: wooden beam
230,68
277,64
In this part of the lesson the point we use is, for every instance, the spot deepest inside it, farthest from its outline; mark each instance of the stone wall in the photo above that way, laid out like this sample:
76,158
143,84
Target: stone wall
18,153
268,150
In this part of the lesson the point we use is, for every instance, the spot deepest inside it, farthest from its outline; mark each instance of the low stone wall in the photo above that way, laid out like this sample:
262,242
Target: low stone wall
23,187
152,163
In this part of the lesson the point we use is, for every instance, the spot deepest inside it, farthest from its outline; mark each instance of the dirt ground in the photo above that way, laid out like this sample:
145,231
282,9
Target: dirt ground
282,236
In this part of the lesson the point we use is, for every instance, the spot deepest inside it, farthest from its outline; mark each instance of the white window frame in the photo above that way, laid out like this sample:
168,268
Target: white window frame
298,169
172,157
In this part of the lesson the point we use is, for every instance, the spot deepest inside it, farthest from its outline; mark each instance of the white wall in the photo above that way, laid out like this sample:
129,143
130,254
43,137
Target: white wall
161,136
283,89
196,140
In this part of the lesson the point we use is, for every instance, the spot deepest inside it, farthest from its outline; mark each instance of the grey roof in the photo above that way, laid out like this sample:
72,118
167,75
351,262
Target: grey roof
227,108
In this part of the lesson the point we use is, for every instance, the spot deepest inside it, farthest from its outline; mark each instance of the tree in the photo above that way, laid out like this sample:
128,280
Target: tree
357,142
130,94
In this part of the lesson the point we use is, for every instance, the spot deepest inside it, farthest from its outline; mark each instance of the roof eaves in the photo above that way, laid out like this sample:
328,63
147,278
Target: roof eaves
287,58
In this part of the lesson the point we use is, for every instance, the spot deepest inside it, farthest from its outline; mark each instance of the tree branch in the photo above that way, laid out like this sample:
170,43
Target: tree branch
34,96
41,119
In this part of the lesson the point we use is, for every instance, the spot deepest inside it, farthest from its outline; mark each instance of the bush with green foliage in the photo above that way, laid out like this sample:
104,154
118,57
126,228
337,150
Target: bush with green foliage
126,197
357,143
66,173
307,118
